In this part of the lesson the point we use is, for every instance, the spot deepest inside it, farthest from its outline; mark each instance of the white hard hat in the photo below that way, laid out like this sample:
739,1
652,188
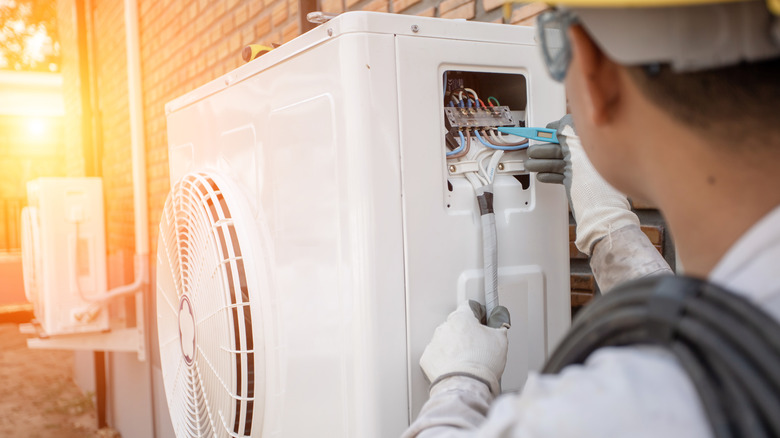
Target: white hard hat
688,35
685,37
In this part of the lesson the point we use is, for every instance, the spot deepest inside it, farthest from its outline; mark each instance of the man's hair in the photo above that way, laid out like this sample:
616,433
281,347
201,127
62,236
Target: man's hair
738,105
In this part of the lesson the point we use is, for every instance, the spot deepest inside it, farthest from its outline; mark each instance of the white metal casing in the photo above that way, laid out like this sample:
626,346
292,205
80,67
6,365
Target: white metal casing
64,254
332,146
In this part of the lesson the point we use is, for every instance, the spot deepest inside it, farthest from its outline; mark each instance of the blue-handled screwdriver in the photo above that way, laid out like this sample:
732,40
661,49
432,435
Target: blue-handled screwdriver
541,134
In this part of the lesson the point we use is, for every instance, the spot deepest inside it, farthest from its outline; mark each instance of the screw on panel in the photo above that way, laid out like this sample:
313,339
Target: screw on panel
453,168
500,166
330,32
415,28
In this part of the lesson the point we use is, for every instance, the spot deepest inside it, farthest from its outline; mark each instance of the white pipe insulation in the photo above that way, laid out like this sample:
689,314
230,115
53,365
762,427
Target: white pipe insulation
138,151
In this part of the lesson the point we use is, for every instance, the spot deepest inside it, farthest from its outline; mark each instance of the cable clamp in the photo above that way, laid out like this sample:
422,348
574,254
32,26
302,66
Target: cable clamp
505,167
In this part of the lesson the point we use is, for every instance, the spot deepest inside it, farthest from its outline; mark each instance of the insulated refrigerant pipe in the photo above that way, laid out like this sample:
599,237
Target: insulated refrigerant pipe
137,144
489,247
138,156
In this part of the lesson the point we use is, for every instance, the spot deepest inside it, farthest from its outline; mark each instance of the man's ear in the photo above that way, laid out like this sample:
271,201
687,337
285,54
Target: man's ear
600,76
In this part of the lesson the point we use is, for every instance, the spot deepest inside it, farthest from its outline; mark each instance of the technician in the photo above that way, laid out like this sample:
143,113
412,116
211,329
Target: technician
676,102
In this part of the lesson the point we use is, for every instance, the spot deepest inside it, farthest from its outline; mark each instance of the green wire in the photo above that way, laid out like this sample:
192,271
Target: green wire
495,100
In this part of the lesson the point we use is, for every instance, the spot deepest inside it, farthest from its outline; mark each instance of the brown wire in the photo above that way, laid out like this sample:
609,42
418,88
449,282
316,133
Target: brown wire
465,149
489,140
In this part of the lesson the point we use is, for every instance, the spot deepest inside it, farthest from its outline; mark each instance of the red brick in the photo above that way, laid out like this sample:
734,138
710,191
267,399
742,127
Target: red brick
241,15
583,282
490,5
226,26
580,298
654,233
279,14
234,42
429,12
247,35
466,11
333,6
262,27
290,31
448,5
528,12
377,6
530,22
642,205
219,9
255,7
402,5
575,253
274,38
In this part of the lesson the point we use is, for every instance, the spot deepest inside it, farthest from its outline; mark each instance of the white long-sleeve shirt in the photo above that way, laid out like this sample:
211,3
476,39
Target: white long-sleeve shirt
618,392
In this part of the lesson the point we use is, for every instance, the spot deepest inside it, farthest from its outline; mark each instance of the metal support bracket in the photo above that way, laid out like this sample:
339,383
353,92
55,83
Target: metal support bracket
508,167
129,340
123,340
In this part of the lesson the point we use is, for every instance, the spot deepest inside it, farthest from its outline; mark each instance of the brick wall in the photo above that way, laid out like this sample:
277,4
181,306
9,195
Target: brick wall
186,43
583,284
110,72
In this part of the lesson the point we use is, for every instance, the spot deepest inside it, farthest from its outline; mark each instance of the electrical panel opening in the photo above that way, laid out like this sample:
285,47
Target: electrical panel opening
475,106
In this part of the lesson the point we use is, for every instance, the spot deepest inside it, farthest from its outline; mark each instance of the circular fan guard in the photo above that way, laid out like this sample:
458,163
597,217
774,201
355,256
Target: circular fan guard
208,350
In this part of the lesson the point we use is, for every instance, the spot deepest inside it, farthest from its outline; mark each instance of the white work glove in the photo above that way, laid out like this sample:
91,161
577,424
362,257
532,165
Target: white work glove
462,346
598,208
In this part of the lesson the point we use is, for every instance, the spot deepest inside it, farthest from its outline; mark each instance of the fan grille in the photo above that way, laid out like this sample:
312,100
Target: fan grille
207,354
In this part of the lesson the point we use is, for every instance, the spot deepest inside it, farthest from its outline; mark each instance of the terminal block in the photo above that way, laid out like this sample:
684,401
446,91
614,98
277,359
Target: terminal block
478,117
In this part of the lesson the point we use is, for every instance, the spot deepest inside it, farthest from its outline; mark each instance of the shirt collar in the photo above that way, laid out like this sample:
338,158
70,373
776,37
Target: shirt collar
752,265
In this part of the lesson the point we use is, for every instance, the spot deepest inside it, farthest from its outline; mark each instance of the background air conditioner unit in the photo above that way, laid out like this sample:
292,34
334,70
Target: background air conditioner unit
322,222
64,254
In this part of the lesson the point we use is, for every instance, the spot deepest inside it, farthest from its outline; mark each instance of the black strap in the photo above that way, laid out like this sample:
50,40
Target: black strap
729,347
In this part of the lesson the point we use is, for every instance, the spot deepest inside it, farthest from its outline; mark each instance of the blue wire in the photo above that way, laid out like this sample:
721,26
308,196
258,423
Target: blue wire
502,148
462,145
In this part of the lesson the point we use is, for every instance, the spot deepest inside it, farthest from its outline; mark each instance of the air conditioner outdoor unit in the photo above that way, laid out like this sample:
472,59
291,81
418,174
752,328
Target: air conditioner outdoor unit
64,254
323,221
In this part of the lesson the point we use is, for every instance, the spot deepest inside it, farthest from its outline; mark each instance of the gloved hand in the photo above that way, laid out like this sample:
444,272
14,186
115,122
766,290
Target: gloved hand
462,346
597,207
498,318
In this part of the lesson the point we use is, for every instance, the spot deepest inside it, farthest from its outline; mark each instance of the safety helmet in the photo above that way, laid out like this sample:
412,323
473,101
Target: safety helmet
687,35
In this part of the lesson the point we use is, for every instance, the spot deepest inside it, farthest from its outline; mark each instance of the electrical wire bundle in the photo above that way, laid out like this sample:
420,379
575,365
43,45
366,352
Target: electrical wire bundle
482,180
493,139
729,348
472,99
489,137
